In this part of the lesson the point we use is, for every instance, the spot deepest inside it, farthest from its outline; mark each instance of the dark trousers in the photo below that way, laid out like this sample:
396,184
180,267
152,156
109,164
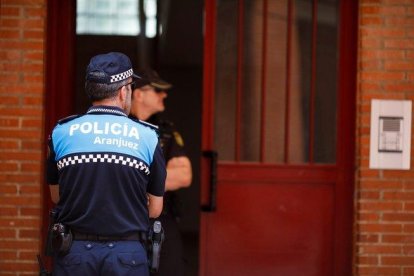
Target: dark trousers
171,261
103,258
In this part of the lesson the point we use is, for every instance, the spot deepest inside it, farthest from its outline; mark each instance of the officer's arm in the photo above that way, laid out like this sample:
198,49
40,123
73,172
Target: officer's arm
179,173
54,193
154,205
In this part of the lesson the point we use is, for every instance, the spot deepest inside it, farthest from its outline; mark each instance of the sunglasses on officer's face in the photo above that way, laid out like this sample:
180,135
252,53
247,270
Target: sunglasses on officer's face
132,83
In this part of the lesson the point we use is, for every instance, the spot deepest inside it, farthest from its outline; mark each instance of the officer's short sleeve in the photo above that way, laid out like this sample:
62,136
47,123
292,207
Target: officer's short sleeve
52,176
177,145
158,173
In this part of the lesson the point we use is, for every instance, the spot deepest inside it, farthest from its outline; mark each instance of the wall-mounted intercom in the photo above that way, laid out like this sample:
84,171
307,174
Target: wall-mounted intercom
390,134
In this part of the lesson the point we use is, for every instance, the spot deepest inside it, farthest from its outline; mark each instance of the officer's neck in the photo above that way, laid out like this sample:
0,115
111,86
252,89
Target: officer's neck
110,102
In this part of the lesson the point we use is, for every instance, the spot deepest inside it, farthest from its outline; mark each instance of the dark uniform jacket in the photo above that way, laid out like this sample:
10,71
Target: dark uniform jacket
105,163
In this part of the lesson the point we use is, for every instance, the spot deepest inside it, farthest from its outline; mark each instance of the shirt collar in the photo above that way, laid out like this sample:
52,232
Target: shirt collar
104,109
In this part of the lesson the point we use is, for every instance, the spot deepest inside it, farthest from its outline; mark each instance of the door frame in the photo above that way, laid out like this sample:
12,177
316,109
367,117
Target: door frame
344,190
59,83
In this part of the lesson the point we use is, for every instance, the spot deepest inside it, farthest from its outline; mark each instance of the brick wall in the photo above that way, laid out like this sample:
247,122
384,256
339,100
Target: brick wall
22,43
385,198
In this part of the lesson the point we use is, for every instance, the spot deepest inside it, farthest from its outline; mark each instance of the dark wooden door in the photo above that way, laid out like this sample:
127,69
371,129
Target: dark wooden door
278,137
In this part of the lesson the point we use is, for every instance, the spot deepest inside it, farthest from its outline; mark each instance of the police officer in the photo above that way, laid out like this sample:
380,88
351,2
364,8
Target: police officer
107,175
147,102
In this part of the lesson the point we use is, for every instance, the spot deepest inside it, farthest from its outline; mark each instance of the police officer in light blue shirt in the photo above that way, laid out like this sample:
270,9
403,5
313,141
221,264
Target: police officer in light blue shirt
106,174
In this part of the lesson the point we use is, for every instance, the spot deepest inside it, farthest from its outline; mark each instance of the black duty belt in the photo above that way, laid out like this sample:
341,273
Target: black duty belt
140,236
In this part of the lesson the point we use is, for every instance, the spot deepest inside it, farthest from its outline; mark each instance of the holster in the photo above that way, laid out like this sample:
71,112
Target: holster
61,239
48,245
155,239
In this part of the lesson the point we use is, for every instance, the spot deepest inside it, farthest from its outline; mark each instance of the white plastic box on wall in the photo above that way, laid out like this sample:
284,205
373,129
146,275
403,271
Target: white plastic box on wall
390,143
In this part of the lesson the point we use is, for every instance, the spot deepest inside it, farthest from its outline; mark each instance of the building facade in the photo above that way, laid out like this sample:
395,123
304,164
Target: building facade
383,220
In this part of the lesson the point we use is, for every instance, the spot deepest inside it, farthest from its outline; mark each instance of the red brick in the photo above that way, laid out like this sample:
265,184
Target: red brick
30,123
371,42
8,255
370,10
393,10
8,211
398,238
33,55
10,34
364,216
29,234
9,123
20,200
32,145
37,101
19,266
370,195
383,76
380,249
380,206
401,87
399,195
21,177
368,260
29,189
408,228
23,3
31,34
30,211
382,32
370,65
400,21
368,238
398,65
400,260
394,217
383,54
375,271
371,21
8,144
35,12
9,11
8,167
9,100
380,228
399,43
31,167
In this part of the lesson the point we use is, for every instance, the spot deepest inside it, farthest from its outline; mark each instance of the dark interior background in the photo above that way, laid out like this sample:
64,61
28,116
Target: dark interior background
177,56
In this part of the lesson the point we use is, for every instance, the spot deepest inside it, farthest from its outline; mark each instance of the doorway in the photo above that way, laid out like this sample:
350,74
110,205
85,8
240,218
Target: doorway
174,48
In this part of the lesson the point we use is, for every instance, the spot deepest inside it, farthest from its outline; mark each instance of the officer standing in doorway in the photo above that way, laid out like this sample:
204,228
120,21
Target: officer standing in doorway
147,103
107,177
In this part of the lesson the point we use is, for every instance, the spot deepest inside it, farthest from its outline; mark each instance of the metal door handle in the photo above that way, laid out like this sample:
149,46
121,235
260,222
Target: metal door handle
212,155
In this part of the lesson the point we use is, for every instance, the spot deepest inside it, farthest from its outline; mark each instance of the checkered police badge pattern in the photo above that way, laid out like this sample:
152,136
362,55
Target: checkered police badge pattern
121,76
103,158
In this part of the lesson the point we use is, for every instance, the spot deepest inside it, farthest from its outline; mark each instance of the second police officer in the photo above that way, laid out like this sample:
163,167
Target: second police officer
147,104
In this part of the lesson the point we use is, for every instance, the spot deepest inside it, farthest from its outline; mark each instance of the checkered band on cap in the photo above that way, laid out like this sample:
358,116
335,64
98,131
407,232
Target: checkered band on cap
103,158
121,76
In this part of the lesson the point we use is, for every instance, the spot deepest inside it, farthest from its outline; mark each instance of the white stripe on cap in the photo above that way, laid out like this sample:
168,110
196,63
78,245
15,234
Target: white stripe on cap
121,76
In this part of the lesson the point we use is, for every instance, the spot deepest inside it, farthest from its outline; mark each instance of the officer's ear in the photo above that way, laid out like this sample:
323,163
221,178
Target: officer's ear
123,93
138,94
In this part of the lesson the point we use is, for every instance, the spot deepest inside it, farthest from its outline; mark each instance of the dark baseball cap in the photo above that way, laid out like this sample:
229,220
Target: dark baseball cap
151,77
109,68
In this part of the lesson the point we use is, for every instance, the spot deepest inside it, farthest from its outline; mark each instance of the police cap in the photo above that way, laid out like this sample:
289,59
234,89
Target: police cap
151,77
109,68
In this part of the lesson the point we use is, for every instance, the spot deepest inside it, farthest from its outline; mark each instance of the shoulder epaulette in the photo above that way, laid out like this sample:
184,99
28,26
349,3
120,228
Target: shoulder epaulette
69,118
166,124
147,124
